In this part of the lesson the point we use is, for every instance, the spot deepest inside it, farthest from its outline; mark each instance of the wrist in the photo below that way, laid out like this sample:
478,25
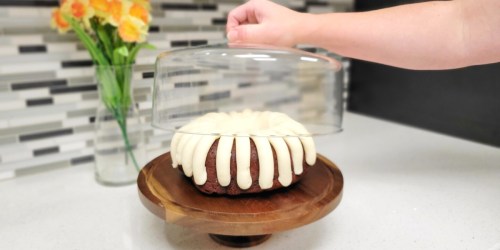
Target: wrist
303,28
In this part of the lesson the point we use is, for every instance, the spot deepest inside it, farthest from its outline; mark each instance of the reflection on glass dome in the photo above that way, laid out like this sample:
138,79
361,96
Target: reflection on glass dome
225,78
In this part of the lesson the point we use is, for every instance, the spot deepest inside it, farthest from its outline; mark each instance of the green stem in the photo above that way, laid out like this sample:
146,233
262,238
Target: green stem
122,123
127,78
105,48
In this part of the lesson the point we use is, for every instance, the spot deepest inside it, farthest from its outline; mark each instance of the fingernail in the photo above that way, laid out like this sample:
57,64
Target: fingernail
232,35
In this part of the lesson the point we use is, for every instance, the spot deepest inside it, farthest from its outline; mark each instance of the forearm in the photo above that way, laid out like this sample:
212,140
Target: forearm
416,36
429,35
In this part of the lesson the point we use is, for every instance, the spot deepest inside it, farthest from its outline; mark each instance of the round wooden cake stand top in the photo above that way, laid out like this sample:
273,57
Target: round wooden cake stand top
244,220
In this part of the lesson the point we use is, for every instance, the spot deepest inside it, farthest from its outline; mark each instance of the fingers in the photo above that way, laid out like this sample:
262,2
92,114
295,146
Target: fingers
239,15
250,33
262,22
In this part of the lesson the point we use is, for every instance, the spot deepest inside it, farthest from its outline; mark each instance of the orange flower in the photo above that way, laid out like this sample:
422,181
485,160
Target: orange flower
132,29
100,5
115,11
143,3
79,9
139,11
131,17
58,21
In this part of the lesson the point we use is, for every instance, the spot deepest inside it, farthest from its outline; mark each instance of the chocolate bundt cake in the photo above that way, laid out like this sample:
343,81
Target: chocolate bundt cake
243,152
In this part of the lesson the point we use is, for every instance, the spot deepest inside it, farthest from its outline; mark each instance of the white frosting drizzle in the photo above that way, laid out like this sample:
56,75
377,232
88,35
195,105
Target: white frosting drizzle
268,130
283,156
308,144
223,160
297,153
266,162
173,151
187,152
199,170
243,162
182,143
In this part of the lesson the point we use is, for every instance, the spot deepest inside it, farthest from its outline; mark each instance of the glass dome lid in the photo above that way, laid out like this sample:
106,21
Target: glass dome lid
257,86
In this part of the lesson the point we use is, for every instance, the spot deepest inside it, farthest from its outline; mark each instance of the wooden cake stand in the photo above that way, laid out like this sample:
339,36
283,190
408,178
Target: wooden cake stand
244,220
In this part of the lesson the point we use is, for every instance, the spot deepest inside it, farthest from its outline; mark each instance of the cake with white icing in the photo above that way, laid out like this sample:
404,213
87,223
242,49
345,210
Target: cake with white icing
243,152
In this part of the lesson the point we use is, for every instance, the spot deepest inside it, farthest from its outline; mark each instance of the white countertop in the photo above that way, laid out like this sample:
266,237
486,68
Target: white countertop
405,188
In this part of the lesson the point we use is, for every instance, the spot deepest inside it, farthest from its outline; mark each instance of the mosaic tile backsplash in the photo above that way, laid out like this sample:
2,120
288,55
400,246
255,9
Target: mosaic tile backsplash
48,94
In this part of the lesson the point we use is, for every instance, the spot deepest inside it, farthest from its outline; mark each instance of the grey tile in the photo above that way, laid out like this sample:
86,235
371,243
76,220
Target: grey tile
145,112
4,87
39,22
144,67
45,151
74,89
93,95
34,162
343,7
38,110
42,168
84,128
3,81
27,77
233,2
9,139
148,75
156,37
38,84
215,96
34,57
179,6
142,91
144,83
78,81
219,21
55,37
82,160
156,10
81,112
141,98
3,39
178,28
26,49
151,52
80,46
45,134
179,43
30,128
148,133
166,144
39,101
77,63
26,30
212,28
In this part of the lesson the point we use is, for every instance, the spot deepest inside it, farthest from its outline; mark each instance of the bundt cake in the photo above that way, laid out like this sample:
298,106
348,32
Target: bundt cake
243,152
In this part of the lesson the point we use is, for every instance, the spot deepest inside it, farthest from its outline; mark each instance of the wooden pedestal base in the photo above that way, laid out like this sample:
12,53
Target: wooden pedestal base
239,241
244,220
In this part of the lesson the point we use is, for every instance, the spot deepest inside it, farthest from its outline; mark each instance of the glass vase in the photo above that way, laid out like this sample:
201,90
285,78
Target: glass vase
119,137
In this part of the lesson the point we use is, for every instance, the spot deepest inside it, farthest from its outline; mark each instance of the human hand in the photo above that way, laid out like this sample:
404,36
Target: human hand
264,22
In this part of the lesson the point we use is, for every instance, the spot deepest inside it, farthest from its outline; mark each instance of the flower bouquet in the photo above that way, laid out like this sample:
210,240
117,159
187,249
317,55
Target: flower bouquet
113,32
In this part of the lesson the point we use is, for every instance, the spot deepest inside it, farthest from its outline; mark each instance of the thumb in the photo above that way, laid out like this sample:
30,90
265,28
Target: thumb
249,33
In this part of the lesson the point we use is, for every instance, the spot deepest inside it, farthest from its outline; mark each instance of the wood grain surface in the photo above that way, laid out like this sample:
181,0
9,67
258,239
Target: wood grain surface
166,192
